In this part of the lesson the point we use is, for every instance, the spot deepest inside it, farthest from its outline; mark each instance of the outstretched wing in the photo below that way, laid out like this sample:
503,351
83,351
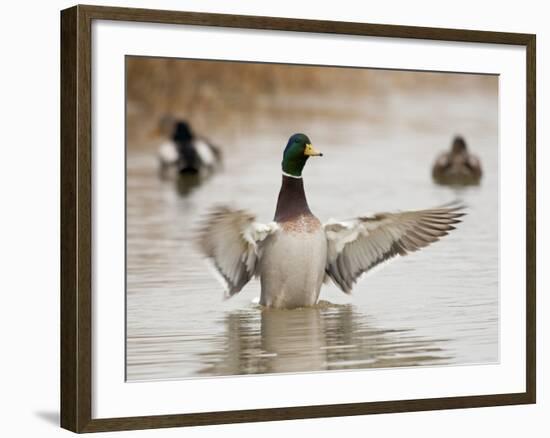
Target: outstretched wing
231,239
360,244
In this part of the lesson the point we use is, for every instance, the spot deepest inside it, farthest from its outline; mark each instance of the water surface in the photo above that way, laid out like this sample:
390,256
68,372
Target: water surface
436,307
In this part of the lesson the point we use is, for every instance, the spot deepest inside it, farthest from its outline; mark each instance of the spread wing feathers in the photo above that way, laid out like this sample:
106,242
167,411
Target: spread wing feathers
358,245
231,239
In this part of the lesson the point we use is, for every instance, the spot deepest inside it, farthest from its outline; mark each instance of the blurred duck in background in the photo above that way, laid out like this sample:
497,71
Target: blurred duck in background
458,166
185,152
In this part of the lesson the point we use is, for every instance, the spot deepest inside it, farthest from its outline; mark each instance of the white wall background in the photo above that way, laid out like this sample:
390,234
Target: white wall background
29,215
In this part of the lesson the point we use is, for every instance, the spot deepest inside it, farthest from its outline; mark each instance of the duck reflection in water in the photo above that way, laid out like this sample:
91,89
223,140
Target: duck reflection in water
323,337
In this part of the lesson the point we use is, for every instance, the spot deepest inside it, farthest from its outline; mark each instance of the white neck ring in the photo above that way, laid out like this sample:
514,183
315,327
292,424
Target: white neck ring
291,176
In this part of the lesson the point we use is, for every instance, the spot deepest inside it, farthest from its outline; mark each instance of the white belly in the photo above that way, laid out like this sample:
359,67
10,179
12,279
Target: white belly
292,268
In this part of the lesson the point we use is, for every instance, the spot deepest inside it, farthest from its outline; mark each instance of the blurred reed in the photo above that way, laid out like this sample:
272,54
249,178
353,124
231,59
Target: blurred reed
223,93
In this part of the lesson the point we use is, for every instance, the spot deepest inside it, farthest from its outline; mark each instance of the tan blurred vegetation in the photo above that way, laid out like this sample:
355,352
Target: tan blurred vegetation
224,93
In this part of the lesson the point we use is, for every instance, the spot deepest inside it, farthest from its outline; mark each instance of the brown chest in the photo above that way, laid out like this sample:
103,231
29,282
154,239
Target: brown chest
301,224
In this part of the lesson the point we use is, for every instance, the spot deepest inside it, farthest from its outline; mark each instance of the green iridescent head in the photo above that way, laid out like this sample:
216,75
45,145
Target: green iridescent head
297,152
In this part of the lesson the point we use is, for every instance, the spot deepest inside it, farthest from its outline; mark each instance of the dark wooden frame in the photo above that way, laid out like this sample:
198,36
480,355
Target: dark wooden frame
76,218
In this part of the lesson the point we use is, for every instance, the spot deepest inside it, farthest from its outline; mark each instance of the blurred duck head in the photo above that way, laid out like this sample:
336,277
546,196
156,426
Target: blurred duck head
459,145
182,132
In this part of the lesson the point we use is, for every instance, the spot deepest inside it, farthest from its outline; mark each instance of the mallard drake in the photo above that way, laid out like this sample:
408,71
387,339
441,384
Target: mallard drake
294,254
457,166
187,153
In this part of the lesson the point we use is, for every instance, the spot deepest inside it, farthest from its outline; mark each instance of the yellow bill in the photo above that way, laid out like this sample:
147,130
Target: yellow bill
311,152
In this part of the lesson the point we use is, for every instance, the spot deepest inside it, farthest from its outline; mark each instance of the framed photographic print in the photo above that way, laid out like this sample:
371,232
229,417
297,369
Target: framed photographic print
231,188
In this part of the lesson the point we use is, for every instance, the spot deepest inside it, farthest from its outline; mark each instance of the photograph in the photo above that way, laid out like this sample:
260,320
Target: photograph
286,218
